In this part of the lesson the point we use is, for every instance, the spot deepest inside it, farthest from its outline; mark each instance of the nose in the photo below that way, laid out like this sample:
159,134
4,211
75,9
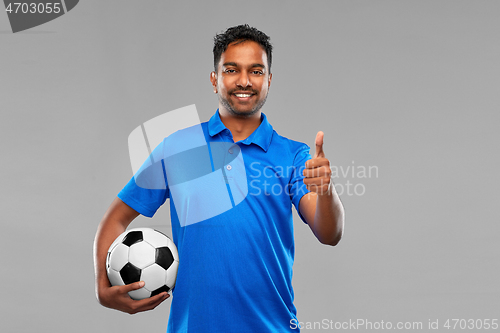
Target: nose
243,80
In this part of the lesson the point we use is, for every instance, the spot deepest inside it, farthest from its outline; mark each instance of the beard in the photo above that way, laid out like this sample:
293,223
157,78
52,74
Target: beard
234,111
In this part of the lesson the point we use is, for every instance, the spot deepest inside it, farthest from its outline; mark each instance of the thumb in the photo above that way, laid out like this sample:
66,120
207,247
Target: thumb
319,145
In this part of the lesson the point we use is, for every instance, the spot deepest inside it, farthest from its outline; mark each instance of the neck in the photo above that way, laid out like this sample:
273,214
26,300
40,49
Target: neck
240,126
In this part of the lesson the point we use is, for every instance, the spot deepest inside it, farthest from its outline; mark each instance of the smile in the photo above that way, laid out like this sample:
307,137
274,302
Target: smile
243,95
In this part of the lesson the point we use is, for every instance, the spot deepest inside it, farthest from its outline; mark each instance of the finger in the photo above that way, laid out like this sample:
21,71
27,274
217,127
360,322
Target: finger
318,162
132,286
316,181
316,172
152,302
319,145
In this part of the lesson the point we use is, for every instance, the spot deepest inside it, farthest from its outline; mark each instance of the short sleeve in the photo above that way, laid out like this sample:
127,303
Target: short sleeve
148,189
297,187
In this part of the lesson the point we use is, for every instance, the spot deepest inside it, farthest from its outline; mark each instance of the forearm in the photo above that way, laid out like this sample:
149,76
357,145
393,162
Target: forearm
114,222
106,234
324,214
328,223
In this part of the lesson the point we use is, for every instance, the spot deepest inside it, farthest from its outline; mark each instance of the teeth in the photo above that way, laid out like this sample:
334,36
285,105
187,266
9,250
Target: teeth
243,95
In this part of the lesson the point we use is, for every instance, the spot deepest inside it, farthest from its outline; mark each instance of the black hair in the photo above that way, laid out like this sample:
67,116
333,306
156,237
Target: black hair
240,34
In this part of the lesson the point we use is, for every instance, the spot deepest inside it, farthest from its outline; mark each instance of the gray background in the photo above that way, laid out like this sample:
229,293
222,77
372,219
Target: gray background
411,87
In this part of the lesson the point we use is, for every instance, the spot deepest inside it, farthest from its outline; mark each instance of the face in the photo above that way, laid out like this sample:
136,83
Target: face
242,80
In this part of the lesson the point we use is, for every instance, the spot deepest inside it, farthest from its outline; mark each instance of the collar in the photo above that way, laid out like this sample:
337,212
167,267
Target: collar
261,136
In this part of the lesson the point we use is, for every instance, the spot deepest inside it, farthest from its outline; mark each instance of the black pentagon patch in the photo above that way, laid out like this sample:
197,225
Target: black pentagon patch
133,237
164,257
130,273
160,290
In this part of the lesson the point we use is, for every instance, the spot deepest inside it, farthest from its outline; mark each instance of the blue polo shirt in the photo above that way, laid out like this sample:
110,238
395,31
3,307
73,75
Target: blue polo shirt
231,216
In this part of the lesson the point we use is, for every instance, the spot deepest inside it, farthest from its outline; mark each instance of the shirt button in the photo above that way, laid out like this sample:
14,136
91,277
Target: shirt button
228,167
230,151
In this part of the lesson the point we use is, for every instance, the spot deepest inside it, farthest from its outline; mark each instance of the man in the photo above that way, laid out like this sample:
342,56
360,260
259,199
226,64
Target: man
235,268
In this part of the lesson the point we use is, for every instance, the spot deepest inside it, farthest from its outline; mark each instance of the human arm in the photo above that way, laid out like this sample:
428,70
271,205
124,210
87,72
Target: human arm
322,208
116,219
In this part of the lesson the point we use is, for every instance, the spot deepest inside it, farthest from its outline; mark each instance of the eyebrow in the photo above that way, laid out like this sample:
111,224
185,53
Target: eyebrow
236,65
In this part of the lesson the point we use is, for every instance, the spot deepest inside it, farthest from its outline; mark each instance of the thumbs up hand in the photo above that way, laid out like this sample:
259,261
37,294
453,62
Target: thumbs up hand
317,170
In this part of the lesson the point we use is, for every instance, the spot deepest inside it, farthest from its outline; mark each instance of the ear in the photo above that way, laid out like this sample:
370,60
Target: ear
270,78
213,79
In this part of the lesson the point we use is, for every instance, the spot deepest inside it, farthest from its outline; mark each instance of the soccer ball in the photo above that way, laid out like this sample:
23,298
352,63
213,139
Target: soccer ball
143,254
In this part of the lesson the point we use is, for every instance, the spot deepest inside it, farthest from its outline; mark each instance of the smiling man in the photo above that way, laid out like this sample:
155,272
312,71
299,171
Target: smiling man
235,269
245,79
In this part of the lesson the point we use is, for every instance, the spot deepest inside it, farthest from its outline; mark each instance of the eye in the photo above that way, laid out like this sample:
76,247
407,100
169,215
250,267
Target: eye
229,71
256,72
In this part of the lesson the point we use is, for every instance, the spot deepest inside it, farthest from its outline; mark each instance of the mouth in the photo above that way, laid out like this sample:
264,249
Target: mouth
243,96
